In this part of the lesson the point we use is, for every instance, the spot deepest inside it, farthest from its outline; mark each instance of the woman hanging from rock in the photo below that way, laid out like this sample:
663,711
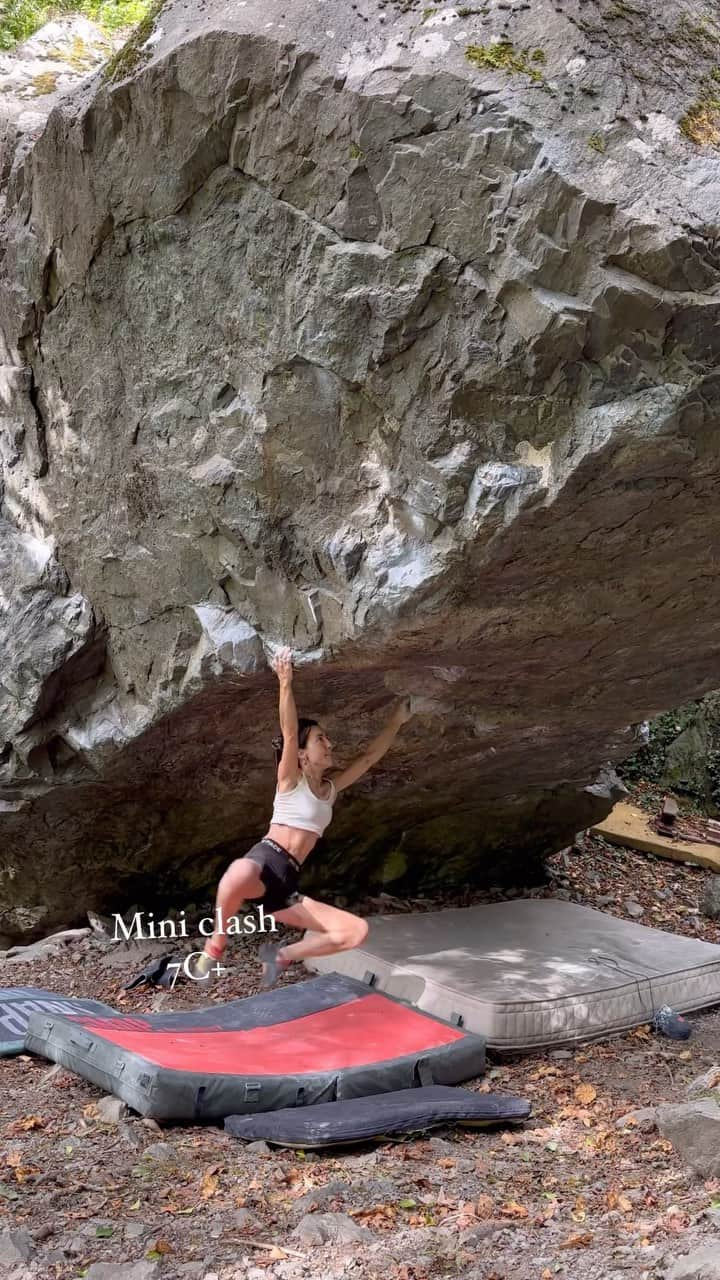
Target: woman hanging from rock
307,785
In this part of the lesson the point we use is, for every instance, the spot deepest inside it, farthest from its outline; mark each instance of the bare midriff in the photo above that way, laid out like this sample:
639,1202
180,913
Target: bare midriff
297,842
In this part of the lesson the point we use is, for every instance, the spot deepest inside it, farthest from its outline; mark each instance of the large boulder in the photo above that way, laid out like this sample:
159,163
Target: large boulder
693,1128
391,336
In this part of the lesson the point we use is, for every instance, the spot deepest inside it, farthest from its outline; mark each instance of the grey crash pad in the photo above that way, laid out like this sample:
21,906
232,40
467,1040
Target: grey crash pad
532,972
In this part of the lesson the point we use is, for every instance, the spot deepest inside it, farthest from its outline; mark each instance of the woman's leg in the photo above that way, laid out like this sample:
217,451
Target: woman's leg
240,881
328,930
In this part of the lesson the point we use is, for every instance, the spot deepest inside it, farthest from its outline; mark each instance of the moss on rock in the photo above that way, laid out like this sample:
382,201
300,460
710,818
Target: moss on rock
45,82
133,54
503,56
701,123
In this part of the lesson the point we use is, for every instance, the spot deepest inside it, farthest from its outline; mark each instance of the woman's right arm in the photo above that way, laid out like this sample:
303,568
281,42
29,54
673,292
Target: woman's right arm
288,771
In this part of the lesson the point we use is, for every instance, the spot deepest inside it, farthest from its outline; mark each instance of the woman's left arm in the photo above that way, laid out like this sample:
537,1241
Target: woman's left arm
375,750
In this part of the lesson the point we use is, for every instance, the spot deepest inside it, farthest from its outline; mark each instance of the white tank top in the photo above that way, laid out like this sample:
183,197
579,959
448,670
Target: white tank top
302,808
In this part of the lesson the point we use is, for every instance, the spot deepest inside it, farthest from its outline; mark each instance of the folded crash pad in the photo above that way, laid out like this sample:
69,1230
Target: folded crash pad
329,1124
327,1038
533,971
18,1003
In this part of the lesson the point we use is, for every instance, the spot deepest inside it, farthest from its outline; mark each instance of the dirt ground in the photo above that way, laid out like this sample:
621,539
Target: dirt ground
570,1194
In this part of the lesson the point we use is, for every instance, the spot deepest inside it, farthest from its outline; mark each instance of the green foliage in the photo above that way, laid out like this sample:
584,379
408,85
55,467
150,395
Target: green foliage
649,765
597,142
132,54
20,19
503,56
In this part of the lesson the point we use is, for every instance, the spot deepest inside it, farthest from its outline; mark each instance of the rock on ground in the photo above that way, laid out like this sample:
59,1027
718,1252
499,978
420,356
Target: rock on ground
329,1228
142,1270
710,898
693,1128
382,340
701,1264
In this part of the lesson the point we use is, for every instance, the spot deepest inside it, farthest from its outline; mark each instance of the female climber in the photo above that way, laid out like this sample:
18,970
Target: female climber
307,784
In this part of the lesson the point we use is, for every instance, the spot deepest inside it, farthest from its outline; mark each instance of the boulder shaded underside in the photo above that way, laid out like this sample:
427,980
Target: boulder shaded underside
353,342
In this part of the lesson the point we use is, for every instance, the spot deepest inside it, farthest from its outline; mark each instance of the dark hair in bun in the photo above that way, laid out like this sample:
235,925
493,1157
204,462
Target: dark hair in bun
304,727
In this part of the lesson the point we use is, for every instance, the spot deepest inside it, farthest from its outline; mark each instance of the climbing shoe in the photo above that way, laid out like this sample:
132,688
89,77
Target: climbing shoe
272,965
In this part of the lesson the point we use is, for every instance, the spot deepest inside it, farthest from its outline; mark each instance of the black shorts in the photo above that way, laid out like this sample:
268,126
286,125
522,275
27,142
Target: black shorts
280,874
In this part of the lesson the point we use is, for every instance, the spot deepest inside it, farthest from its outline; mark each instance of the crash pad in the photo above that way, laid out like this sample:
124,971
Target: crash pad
404,1111
326,1038
532,971
629,826
18,1003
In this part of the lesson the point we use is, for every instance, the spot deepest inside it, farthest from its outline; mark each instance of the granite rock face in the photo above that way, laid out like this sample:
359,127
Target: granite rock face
392,336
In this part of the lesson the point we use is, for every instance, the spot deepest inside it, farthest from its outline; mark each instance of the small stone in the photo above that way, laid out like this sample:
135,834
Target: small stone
161,1151
74,1246
135,1230
16,1246
562,1055
634,909
442,1147
321,1195
644,1119
701,1264
259,1148
111,1110
481,1233
131,1134
704,1084
605,899
48,1076
710,898
122,1271
330,1228
245,1220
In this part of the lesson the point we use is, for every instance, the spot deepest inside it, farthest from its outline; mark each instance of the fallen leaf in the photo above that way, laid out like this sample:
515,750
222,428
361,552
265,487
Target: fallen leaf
209,1185
484,1207
26,1123
579,1212
580,1240
585,1094
514,1210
